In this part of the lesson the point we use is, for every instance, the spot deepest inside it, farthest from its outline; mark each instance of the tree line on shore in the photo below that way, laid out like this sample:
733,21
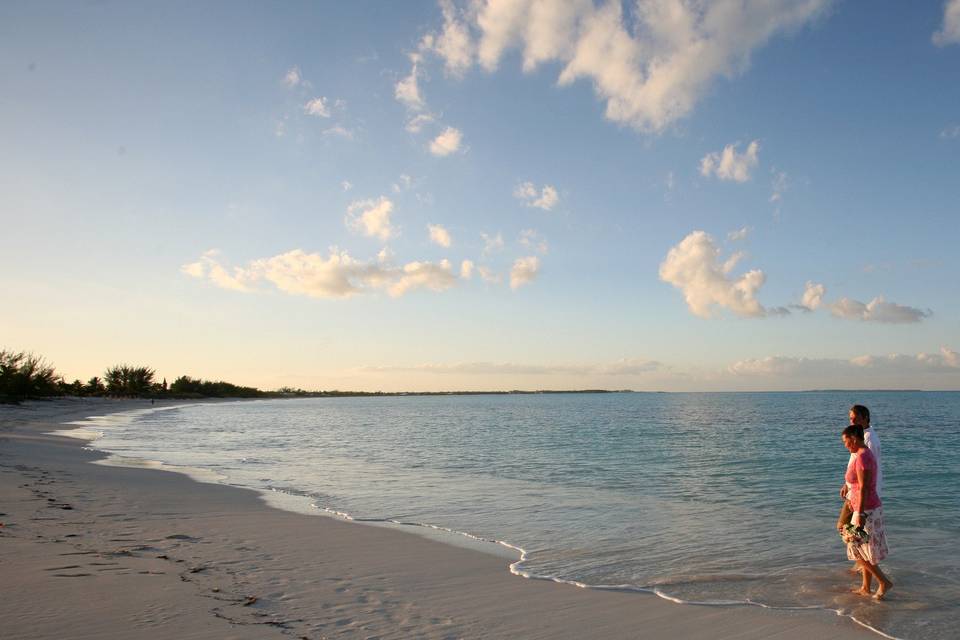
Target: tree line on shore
25,376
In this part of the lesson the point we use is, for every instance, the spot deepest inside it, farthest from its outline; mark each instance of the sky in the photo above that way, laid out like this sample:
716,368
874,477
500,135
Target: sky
660,195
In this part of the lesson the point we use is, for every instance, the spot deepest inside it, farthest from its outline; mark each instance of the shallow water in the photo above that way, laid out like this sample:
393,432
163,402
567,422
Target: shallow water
720,497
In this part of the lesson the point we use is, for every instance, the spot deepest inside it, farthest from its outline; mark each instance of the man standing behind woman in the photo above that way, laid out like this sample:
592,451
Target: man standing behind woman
862,501
860,416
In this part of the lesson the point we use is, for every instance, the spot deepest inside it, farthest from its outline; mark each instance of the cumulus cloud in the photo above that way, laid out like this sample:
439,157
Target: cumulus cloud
453,43
371,217
739,234
447,142
466,269
877,310
524,271
488,275
650,68
336,275
317,107
416,123
427,275
439,235
292,78
208,267
694,267
545,198
532,240
491,243
949,32
407,89
730,165
339,131
812,296
403,183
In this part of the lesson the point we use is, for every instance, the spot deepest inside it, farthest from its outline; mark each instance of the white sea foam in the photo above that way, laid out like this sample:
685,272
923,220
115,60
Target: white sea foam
595,518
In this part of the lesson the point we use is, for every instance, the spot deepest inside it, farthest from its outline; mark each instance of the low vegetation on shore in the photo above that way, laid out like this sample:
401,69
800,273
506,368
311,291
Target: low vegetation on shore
26,376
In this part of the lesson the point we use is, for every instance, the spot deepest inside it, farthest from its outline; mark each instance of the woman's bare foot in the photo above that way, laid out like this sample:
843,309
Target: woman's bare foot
882,590
862,591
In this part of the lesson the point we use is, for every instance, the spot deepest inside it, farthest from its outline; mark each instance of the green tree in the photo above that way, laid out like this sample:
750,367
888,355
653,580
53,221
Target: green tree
25,375
125,380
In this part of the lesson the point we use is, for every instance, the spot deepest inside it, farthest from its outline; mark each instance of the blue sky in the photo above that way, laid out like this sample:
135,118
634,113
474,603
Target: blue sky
659,195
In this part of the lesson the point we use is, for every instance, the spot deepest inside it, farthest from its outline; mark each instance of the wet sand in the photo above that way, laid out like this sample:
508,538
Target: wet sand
93,551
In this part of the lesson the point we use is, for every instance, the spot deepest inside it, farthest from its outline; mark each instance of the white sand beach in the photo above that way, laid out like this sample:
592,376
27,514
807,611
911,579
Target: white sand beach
93,551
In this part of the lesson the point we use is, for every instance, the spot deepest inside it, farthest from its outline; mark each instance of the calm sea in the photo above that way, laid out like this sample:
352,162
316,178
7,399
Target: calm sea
716,498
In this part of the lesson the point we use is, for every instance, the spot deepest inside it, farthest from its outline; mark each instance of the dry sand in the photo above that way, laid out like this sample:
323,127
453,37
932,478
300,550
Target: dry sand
91,551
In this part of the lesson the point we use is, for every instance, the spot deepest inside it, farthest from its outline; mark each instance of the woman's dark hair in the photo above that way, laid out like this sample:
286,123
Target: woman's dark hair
861,412
854,431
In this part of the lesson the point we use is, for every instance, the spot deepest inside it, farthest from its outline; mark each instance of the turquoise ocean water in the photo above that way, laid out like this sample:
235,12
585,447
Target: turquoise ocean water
721,498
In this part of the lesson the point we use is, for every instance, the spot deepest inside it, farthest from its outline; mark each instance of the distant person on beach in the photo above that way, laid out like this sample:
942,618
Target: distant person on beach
866,540
860,416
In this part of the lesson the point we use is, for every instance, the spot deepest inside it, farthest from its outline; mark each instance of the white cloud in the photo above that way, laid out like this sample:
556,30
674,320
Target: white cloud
454,43
877,310
532,240
419,121
414,275
208,267
339,131
694,267
729,165
347,185
447,142
488,275
439,235
779,186
403,183
650,67
524,271
949,33
492,243
947,360
335,276
951,132
812,296
739,234
292,78
196,269
545,198
466,269
317,107
371,217
407,90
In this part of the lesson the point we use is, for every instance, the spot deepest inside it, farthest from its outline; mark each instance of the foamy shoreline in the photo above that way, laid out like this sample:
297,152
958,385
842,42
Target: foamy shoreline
164,556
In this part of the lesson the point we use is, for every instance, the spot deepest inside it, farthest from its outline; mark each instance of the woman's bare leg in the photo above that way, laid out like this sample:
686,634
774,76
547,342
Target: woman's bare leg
867,582
885,584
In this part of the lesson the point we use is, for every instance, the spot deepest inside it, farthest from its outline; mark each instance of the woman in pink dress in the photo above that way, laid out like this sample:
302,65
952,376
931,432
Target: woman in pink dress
861,477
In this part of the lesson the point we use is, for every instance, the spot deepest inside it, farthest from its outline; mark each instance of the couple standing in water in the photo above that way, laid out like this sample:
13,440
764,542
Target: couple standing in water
861,518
